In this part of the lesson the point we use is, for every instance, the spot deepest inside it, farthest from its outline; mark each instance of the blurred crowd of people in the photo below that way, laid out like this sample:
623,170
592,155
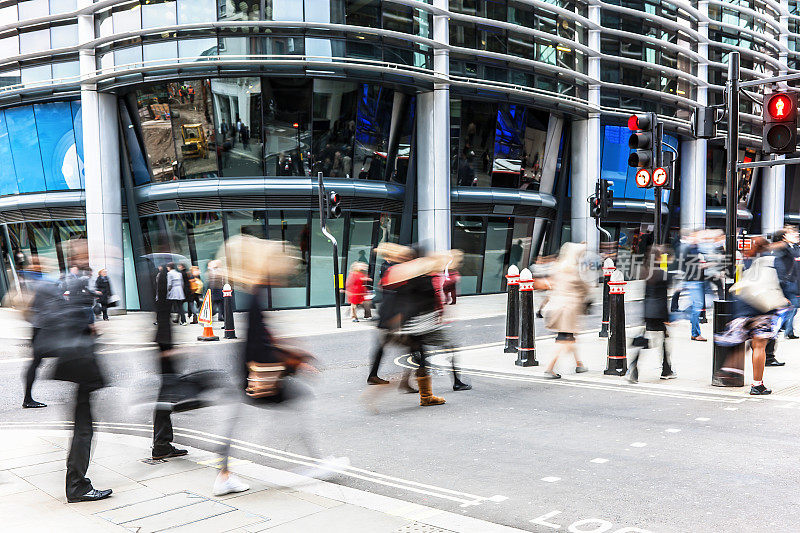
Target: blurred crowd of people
412,289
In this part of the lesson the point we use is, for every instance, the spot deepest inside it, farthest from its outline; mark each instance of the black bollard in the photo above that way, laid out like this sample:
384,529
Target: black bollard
729,357
512,310
617,364
526,352
227,298
608,269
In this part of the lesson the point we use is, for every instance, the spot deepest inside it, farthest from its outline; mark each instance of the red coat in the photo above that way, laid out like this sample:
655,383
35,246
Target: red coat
355,289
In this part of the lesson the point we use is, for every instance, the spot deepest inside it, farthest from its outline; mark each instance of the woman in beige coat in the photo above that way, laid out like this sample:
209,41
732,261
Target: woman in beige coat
567,302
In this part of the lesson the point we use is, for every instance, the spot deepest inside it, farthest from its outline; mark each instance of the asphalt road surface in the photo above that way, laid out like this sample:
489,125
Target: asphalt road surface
535,455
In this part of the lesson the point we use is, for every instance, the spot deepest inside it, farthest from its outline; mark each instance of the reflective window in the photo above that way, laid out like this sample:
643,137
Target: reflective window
237,114
283,10
520,138
193,128
251,223
497,254
287,127
176,124
376,106
360,237
155,14
45,239
324,11
293,229
334,127
21,125
31,9
475,143
127,18
131,288
8,177
57,143
322,290
9,47
363,13
63,6
468,236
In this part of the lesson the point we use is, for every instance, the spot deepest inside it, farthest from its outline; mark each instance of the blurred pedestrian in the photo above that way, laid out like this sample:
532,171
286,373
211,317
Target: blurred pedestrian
356,290
215,280
417,314
103,286
175,294
787,266
567,302
35,289
162,421
656,314
451,277
187,290
271,371
694,281
67,333
759,308
196,292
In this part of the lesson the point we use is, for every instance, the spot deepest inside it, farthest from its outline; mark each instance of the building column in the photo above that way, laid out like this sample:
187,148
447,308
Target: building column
694,152
102,182
773,190
555,128
585,157
693,184
584,169
433,148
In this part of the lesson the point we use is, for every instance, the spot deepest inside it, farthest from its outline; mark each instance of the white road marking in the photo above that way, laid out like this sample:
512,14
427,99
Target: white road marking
497,498
702,419
638,444
542,520
731,408
604,526
599,460
281,455
673,430
551,479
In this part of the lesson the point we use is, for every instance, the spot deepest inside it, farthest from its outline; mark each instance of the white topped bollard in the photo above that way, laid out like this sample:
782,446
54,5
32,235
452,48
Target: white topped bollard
608,269
227,298
526,350
512,310
617,364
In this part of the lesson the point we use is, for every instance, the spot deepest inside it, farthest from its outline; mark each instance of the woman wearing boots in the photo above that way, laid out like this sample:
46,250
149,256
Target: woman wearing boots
420,322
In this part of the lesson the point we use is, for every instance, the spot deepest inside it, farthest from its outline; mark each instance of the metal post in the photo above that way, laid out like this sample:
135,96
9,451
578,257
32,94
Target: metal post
733,158
526,352
731,358
512,310
323,219
657,239
617,362
227,299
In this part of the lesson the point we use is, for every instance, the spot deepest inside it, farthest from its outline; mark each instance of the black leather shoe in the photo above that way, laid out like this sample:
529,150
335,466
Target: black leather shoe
375,380
792,337
460,385
33,404
773,362
173,452
92,496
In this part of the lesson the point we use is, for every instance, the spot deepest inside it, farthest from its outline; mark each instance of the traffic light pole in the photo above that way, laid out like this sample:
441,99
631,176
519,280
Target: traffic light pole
732,146
323,221
659,156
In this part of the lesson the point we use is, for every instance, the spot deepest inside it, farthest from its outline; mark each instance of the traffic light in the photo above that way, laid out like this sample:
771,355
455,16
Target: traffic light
642,140
780,123
594,202
334,209
606,197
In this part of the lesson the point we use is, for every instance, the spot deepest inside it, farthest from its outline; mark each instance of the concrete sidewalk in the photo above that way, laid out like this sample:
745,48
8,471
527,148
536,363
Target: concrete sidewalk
175,495
691,360
137,327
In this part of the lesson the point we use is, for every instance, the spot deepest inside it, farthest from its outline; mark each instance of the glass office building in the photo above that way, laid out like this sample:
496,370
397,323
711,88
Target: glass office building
154,126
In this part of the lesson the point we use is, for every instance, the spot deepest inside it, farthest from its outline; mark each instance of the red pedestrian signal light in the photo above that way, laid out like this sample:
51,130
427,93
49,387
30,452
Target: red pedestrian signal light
334,209
780,106
779,134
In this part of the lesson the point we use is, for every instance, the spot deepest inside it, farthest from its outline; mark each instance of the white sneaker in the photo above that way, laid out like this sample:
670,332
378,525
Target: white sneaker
228,486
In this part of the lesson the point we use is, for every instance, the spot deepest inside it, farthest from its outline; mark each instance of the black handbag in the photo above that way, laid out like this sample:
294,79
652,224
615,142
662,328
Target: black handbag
76,361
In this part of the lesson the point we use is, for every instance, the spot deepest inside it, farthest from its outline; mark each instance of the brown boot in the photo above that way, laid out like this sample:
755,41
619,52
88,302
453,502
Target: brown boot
426,397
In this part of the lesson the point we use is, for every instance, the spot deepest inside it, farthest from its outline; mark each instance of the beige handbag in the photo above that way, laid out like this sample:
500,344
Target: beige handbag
759,286
263,379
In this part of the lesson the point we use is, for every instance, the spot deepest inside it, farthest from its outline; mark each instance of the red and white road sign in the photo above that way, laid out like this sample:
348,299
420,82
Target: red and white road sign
205,310
642,177
660,177
744,243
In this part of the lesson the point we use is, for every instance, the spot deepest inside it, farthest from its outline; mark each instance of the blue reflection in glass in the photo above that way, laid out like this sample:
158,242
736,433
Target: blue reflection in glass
8,179
57,146
21,126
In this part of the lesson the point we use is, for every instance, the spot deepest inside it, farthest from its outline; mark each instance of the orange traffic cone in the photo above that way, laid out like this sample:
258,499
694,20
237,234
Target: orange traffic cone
208,334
